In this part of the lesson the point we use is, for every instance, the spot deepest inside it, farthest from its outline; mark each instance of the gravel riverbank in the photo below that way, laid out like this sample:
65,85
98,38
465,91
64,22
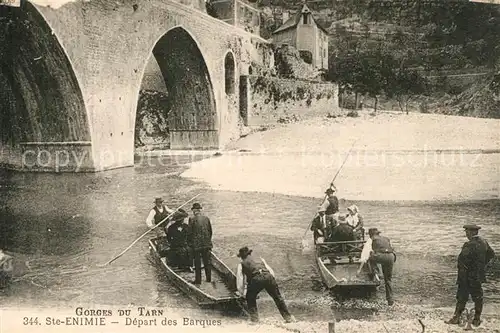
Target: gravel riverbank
395,157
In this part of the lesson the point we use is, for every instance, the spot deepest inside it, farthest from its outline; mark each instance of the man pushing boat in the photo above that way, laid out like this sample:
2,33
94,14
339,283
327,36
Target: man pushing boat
382,254
255,275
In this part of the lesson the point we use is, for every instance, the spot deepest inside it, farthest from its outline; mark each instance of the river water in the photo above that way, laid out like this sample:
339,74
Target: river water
63,225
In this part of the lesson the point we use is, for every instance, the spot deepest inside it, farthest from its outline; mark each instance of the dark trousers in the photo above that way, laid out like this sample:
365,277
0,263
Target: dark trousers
265,281
199,255
473,288
386,260
179,257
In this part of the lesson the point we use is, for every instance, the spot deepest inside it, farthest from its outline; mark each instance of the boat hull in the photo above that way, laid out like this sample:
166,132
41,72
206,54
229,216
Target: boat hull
221,292
343,269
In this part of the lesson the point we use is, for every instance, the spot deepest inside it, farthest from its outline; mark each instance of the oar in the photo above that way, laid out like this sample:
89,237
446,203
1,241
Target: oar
305,244
144,234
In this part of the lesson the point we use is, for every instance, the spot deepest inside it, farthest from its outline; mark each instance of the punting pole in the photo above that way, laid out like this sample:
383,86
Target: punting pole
144,234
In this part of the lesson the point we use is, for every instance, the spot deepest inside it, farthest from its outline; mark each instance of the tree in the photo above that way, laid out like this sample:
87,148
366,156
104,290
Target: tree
369,77
361,72
403,85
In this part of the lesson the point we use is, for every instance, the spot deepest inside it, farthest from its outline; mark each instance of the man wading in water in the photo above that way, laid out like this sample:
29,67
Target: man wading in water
472,261
259,276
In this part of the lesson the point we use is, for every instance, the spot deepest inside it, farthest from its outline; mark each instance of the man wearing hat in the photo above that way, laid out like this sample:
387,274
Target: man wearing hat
158,213
383,254
475,255
255,275
318,226
177,239
200,242
341,232
331,204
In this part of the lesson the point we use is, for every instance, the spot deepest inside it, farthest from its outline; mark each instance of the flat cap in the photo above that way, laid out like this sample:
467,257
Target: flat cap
471,227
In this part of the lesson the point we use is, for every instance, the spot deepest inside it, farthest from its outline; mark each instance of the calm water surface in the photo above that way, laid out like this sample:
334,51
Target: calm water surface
64,225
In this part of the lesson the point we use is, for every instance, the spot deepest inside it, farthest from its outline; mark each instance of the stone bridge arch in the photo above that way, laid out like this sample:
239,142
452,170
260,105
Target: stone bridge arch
107,44
43,118
193,120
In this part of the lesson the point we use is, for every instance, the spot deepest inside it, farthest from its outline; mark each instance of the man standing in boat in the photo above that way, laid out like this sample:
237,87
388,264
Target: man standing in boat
253,276
331,204
383,254
157,214
200,242
475,255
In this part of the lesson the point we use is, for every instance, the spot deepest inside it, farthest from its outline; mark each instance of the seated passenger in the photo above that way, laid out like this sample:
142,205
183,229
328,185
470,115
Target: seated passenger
179,255
342,232
355,220
318,226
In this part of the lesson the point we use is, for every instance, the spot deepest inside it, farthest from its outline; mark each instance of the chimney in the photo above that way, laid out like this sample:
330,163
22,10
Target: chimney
285,16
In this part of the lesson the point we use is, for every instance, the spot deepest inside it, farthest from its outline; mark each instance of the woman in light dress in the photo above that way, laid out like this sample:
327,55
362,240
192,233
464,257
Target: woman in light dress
355,220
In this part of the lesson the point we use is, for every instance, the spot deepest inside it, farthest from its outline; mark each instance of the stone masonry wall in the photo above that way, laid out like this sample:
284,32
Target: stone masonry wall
286,100
109,44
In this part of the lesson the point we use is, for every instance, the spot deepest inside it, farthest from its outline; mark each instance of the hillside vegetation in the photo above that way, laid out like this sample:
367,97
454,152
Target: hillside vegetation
396,43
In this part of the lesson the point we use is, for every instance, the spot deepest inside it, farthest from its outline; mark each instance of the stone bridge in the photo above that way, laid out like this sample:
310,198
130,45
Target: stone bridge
70,79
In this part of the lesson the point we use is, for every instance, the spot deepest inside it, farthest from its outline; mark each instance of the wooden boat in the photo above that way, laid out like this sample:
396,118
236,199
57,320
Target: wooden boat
220,292
338,264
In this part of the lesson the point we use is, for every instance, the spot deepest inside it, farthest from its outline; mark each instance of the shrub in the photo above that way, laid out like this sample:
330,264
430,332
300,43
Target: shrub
423,107
352,114
301,93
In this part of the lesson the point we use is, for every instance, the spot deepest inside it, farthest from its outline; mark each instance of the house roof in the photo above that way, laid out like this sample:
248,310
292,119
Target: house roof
293,21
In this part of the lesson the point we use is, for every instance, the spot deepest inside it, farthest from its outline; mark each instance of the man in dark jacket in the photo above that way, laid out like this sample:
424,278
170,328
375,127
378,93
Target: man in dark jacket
200,241
177,238
475,255
318,225
342,232
383,254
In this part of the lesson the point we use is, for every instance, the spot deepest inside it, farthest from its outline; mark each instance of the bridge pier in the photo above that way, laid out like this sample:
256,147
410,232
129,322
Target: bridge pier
57,156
